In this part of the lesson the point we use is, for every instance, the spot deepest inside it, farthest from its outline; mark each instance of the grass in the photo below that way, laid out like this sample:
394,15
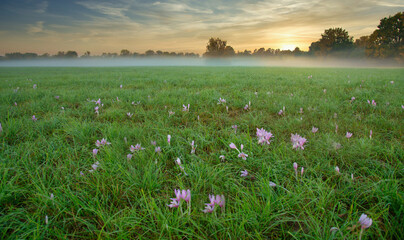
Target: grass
128,198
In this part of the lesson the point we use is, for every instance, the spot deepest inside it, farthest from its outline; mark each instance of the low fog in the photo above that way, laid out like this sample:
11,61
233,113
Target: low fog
210,62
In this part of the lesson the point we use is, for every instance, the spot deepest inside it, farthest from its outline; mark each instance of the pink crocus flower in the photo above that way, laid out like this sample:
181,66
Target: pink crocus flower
178,161
280,112
263,136
157,150
365,221
34,86
272,184
392,82
208,208
235,128
298,141
232,146
46,220
120,86
34,118
129,114
98,101
57,97
95,151
295,167
168,139
368,101
336,128
137,147
370,134
247,107
174,204
352,99
222,157
244,173
96,110
1,128
352,176
186,195
15,104
243,156
170,113
302,171
129,156
314,130
193,147
185,108
373,102
348,135
153,143
52,196
221,101
301,111
337,169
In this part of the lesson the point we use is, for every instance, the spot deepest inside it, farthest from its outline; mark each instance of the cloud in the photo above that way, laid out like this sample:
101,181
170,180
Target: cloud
36,28
180,7
42,7
105,8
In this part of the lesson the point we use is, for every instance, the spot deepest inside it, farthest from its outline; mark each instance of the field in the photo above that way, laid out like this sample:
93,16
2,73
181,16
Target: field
53,185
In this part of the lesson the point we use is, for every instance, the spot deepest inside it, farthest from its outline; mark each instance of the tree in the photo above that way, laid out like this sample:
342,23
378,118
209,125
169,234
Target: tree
125,53
388,39
149,53
332,40
218,48
71,54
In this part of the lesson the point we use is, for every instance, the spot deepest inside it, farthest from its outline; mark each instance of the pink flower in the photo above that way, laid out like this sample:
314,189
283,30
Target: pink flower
221,101
373,103
301,110
348,135
153,143
208,208
95,151
222,157
34,118
298,141
244,173
232,146
263,136
370,134
57,97
392,82
186,195
247,107
95,165
185,108
365,221
235,128
102,143
352,99
314,130
272,184
168,139
193,147
368,101
129,114
178,161
352,176
301,172
96,110
15,103
174,204
170,113
243,156
129,156
1,128
295,167
280,112
98,101
121,86
157,150
336,128
137,147
34,86
337,169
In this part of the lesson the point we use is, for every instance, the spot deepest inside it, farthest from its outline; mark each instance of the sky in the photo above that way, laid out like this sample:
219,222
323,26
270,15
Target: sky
180,25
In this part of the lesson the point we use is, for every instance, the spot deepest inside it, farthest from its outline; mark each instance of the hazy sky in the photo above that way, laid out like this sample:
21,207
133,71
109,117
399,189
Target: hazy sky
180,25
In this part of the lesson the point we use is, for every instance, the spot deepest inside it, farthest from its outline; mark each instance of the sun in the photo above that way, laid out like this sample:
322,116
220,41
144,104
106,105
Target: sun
290,47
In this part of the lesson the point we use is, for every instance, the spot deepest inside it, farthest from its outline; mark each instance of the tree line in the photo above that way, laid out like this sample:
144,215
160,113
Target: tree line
385,42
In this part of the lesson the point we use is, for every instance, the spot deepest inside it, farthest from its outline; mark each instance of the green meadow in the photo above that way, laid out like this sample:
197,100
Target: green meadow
52,186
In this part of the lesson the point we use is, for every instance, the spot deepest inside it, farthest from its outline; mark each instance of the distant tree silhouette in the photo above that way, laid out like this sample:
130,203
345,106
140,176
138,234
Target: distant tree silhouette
71,54
149,53
218,48
125,53
86,54
332,40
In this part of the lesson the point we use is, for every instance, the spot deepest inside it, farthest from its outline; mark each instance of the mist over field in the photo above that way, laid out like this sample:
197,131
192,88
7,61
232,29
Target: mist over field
186,61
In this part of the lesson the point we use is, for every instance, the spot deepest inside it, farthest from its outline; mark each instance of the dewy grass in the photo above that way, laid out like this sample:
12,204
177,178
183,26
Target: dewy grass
53,184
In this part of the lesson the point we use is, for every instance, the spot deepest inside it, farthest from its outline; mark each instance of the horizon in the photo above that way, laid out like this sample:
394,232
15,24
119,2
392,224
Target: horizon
179,26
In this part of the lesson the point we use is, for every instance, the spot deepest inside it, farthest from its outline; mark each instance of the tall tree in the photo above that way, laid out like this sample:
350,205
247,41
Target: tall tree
125,53
388,39
217,48
332,40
